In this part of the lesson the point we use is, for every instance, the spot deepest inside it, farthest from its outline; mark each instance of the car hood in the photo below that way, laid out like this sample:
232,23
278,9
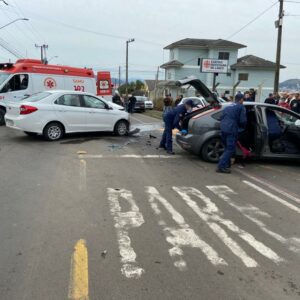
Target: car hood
209,96
116,106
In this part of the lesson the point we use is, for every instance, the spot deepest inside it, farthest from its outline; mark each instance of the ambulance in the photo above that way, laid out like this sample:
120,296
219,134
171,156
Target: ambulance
29,76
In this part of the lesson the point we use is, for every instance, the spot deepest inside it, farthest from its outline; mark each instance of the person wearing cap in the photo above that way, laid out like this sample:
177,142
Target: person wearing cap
172,120
233,118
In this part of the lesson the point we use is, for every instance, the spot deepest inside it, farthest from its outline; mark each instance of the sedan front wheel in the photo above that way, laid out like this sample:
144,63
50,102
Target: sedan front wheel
121,128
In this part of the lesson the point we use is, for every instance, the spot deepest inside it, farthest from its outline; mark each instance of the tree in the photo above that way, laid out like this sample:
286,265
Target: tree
133,86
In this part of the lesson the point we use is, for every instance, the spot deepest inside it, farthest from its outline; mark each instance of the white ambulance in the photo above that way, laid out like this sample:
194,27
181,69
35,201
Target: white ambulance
29,76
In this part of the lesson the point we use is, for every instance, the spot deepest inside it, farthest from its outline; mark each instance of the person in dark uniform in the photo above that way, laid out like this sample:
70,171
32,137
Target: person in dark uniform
172,120
234,117
131,105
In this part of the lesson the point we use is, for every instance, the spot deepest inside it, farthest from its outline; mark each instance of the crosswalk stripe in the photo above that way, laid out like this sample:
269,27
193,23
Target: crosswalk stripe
272,196
271,186
211,213
252,213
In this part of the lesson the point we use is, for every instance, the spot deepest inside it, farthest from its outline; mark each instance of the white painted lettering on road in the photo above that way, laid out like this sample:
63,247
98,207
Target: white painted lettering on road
211,215
181,235
124,221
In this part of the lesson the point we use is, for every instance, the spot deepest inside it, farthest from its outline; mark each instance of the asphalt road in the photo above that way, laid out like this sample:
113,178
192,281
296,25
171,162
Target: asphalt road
101,217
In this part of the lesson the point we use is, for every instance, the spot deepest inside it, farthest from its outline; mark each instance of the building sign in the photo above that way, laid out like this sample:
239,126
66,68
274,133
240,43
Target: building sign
209,65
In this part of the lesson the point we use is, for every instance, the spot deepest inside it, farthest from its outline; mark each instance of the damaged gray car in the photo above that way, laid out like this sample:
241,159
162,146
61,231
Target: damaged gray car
271,131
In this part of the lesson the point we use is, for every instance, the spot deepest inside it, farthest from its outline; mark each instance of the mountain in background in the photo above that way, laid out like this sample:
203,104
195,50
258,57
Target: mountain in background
290,84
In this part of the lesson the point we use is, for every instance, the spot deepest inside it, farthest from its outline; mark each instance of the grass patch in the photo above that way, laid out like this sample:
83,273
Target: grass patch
154,114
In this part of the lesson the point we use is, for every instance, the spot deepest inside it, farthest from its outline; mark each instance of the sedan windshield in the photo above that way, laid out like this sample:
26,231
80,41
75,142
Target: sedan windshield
37,97
3,77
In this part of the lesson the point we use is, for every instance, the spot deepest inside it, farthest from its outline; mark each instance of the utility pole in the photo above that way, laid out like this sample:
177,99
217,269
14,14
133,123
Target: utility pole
156,82
43,53
127,43
119,76
278,25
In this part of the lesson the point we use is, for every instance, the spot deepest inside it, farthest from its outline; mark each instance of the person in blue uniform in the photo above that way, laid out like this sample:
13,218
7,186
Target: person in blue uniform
172,120
233,119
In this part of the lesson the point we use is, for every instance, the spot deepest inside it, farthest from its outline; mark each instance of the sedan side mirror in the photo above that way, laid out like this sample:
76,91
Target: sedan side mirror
108,107
297,123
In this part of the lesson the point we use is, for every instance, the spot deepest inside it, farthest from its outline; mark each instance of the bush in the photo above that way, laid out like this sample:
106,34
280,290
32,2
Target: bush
159,104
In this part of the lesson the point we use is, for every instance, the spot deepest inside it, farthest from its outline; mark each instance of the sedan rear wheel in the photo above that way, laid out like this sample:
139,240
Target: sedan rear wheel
53,131
212,150
121,128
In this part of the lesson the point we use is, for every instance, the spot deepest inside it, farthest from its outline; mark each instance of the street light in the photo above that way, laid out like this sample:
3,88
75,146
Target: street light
19,19
127,42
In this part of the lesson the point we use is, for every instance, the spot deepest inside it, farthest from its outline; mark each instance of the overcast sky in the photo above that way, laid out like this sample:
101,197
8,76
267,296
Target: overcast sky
93,32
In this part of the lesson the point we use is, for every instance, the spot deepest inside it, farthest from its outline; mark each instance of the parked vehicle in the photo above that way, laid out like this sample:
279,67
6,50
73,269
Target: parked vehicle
140,104
148,103
204,135
55,113
30,76
196,100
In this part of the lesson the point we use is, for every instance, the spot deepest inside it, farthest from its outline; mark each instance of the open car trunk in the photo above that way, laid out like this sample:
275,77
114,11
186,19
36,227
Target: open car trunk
208,95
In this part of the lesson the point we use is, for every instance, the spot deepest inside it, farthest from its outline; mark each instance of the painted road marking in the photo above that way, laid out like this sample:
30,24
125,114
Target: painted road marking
211,215
149,156
272,196
82,175
182,235
252,213
79,278
272,187
124,221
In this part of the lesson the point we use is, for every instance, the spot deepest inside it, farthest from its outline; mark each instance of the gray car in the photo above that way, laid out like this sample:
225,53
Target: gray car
271,131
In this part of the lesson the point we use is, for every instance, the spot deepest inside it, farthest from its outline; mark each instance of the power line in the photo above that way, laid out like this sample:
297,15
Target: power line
253,20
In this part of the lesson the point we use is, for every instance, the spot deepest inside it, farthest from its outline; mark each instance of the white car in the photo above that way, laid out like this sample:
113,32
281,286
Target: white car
54,113
196,100
148,103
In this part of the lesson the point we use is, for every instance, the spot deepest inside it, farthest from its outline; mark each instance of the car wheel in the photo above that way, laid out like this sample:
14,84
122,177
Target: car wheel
53,131
30,133
212,150
2,114
121,128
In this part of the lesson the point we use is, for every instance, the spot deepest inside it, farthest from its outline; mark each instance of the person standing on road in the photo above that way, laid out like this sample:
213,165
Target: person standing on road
172,120
131,105
295,104
233,118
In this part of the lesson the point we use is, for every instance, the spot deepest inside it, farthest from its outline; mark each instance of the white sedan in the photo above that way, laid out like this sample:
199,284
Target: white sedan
54,113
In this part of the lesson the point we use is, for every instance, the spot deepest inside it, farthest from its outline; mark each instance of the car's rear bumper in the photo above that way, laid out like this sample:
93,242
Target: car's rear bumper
184,141
23,124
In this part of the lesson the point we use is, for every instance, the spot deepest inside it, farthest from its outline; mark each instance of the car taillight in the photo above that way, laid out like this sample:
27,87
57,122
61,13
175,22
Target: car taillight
27,109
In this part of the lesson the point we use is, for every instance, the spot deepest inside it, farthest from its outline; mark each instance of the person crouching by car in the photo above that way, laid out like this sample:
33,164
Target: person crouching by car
172,120
233,118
